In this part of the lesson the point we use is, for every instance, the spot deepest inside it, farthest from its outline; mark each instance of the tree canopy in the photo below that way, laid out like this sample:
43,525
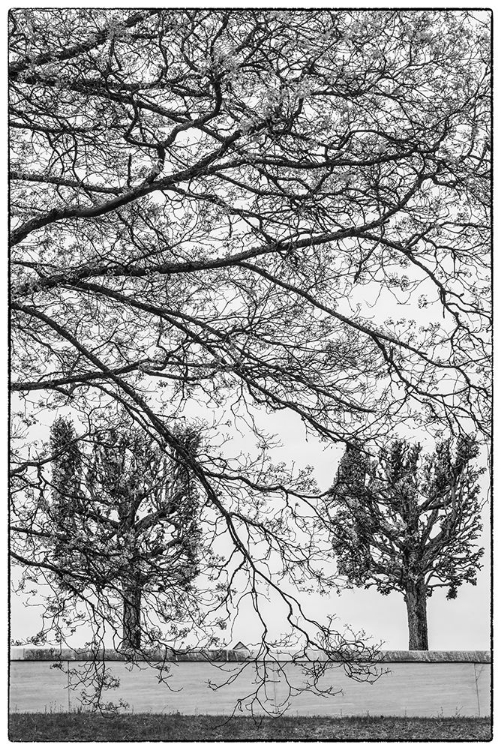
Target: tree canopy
206,192
123,529
215,210
408,523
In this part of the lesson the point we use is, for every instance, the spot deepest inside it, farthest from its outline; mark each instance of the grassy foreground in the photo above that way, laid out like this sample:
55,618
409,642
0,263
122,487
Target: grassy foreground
30,727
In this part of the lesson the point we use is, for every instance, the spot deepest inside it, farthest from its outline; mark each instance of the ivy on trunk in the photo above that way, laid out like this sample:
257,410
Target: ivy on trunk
415,600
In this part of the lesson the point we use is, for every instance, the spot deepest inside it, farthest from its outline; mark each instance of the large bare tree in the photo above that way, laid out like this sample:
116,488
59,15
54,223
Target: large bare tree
220,207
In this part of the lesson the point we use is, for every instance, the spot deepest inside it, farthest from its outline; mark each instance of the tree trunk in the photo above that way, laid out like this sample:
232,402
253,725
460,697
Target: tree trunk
132,618
415,599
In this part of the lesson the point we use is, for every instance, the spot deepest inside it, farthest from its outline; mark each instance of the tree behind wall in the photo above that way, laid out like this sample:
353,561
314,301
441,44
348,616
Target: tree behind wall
408,523
125,517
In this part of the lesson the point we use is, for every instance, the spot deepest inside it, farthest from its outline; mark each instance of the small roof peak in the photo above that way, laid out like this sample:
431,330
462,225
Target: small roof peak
239,646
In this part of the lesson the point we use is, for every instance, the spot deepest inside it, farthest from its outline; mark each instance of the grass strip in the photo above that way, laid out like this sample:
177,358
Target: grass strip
86,727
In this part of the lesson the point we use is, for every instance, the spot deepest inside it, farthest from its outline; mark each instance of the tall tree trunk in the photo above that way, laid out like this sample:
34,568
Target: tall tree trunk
415,599
131,619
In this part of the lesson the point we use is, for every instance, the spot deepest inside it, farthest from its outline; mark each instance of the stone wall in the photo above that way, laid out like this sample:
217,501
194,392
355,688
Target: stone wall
413,684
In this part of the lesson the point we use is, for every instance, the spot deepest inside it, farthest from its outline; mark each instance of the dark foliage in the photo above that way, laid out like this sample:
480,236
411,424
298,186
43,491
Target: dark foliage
408,523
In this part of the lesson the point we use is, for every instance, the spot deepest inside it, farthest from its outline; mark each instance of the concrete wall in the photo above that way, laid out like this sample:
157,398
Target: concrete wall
412,688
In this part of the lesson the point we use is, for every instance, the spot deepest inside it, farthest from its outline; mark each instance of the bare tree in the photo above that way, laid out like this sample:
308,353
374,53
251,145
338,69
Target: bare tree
408,524
217,207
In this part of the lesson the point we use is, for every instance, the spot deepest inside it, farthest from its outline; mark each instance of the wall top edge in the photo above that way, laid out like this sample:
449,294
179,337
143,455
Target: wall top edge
37,653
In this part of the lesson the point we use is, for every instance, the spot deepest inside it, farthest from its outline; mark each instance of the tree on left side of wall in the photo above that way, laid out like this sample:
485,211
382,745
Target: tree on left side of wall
125,522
